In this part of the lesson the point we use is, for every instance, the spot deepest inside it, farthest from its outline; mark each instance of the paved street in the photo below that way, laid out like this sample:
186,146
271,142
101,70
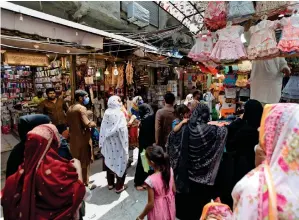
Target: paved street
107,205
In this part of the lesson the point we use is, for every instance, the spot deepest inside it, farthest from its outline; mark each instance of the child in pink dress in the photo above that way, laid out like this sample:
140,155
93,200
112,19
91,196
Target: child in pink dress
161,188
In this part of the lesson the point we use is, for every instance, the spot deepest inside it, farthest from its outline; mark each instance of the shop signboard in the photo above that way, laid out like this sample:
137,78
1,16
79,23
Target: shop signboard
26,59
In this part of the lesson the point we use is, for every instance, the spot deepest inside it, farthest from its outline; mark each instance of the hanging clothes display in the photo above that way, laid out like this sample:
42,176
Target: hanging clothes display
229,46
244,66
239,11
290,34
230,93
202,49
242,80
291,90
215,15
129,73
230,80
263,41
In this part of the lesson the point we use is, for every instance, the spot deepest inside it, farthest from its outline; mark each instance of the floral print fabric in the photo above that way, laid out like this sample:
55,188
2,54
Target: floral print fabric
269,191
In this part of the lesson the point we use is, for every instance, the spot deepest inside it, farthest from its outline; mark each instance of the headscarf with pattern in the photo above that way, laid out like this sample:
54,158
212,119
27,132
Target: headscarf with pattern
196,151
269,191
114,137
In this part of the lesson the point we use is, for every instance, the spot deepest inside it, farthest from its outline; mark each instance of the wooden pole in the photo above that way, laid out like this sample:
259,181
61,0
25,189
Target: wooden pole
73,76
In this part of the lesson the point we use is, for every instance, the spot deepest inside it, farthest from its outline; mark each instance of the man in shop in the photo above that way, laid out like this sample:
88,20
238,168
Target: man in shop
38,98
80,134
164,118
197,95
55,108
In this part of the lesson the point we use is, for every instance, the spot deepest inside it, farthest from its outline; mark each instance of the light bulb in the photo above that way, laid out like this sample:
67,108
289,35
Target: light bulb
115,71
68,51
76,33
35,46
98,73
21,17
106,72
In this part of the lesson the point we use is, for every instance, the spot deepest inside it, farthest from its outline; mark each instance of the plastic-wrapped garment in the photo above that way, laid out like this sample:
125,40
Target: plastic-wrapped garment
291,90
290,35
263,41
202,49
215,15
229,47
240,9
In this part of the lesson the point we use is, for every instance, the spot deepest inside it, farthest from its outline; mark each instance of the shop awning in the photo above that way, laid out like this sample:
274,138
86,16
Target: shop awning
63,22
189,13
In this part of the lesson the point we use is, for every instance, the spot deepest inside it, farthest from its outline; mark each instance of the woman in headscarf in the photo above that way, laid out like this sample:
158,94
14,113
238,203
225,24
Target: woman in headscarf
238,159
26,124
134,121
146,139
114,143
195,154
242,137
188,100
45,186
270,191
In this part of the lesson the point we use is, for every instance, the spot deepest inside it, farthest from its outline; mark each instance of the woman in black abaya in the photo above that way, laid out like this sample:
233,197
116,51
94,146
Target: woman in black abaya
195,155
146,139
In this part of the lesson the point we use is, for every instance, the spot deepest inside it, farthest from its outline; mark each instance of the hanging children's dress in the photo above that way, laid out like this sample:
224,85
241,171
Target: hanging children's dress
244,66
263,41
239,11
202,49
229,46
290,34
215,15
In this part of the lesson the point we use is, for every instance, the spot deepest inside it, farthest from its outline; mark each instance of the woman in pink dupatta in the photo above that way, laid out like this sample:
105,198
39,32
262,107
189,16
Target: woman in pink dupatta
270,191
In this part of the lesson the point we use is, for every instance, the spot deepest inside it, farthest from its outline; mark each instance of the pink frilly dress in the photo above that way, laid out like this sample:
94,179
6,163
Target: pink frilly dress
164,206
215,15
229,46
290,35
263,41
202,49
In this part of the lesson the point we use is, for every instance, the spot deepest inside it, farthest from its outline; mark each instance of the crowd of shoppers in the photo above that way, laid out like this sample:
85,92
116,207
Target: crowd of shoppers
253,161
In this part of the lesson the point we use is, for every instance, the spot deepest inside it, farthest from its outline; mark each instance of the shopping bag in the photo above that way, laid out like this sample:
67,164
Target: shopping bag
144,161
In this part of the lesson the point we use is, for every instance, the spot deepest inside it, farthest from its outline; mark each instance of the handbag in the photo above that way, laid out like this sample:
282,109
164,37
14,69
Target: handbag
144,161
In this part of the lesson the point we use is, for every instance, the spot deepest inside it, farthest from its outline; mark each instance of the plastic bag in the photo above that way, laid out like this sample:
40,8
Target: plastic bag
144,161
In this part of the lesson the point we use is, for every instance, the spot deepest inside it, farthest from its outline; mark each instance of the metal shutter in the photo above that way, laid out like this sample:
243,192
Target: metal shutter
151,6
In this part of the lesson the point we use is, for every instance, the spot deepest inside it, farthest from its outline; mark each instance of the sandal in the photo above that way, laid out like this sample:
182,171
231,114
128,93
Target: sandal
92,186
141,188
121,190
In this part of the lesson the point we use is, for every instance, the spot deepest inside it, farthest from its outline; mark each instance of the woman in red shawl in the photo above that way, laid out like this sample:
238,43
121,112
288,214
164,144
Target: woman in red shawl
46,186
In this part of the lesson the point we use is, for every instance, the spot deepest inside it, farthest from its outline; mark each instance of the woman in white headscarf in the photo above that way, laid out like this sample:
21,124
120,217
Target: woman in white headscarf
114,142
188,100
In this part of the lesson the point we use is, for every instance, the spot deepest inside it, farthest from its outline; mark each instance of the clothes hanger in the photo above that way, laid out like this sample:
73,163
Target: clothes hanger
264,17
229,24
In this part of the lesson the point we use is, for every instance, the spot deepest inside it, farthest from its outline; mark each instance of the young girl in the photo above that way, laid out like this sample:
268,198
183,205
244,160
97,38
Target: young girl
161,188
182,116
